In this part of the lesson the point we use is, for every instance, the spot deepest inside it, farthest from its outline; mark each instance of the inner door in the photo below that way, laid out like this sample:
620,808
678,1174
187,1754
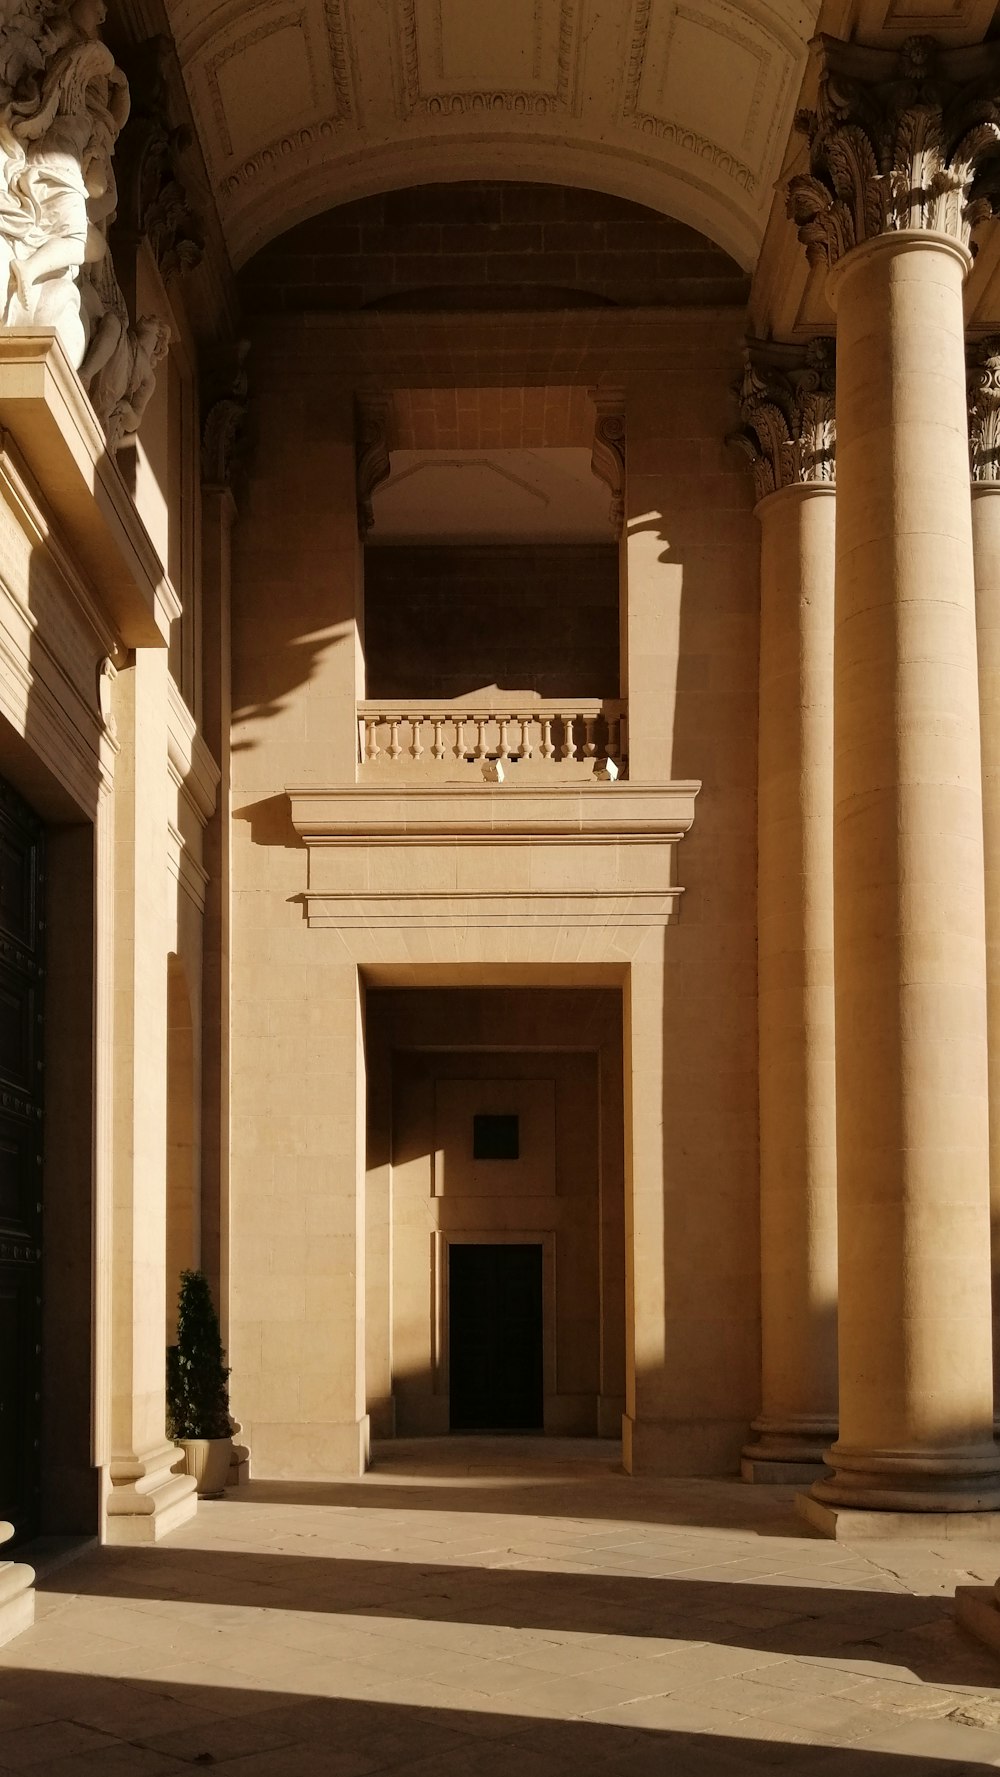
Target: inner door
495,1337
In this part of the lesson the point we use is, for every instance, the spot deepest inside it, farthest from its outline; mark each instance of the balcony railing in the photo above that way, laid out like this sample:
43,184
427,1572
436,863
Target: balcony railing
575,738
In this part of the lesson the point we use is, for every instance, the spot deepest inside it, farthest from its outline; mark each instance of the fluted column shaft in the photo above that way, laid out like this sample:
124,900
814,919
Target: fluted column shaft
912,1140
798,1166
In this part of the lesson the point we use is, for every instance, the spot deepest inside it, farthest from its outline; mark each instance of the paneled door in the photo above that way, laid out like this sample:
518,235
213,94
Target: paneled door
21,938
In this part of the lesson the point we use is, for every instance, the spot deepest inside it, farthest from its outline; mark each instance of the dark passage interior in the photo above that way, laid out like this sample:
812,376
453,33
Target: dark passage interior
495,1337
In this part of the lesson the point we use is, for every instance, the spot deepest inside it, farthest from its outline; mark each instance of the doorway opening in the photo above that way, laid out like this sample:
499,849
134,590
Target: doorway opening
495,1231
495,1337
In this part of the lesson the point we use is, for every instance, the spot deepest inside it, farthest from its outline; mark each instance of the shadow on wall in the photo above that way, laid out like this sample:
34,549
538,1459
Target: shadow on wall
694,564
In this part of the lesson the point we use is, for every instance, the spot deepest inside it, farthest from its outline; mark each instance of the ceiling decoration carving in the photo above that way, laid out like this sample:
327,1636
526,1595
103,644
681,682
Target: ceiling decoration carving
683,105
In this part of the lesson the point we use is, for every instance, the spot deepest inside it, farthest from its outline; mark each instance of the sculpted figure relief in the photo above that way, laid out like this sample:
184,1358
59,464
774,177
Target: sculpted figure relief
63,102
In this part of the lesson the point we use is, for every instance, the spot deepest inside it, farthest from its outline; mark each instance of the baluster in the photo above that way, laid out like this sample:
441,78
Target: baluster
547,749
416,731
569,741
394,748
589,737
437,745
372,748
524,750
503,750
459,723
479,751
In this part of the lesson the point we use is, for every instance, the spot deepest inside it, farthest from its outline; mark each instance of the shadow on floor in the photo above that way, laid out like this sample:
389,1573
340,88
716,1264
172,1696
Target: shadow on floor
133,1726
896,1628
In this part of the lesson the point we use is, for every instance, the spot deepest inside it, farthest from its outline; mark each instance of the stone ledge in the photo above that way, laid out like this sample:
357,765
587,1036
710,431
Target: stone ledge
49,418
412,812
847,1524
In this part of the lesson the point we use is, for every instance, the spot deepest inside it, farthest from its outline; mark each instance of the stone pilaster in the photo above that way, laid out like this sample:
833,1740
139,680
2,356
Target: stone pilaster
788,432
901,144
984,463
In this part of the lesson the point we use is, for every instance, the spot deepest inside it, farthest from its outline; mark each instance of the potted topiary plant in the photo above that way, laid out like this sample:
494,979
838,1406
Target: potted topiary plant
198,1388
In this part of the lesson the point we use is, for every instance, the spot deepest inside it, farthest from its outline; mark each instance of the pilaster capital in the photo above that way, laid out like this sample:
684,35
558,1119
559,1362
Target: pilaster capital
983,378
900,139
786,399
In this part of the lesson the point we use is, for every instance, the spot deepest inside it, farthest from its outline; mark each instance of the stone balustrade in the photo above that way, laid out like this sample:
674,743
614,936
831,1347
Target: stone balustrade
574,738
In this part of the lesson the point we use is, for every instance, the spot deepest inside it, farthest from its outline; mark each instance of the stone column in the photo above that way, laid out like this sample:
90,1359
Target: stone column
786,405
894,147
146,1499
984,426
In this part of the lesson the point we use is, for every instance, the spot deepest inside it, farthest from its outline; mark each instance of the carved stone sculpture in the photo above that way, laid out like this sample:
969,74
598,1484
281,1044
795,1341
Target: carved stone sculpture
371,449
223,426
607,458
63,103
153,201
900,139
787,408
984,410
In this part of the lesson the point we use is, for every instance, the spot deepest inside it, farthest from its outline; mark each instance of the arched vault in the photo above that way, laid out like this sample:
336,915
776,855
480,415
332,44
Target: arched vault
303,104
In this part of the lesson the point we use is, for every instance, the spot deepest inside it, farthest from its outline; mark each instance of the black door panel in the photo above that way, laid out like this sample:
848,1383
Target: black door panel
495,1338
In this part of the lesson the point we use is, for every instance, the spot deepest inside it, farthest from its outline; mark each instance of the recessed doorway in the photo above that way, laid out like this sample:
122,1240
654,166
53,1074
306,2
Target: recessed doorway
495,1337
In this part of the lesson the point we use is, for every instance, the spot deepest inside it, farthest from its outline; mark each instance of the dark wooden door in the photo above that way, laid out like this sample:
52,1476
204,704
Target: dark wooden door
21,929
495,1338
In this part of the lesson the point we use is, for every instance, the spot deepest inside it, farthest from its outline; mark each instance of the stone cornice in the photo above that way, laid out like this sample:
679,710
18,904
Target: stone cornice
900,139
786,402
984,410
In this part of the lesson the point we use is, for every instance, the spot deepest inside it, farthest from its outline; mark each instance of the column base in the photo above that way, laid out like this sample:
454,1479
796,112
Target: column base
146,1500
788,1450
848,1524
964,1480
977,1609
17,1593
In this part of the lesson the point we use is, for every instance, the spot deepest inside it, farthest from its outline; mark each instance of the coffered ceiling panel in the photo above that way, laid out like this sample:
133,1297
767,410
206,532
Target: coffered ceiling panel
684,105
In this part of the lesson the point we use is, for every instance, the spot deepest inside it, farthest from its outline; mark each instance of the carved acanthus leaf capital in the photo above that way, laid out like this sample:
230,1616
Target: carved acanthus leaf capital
607,457
787,409
904,138
371,449
984,410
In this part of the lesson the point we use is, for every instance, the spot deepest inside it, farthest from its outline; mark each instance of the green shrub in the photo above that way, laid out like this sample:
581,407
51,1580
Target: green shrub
197,1378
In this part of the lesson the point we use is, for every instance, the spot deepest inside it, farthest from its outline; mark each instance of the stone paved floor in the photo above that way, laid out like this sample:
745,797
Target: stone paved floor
476,1608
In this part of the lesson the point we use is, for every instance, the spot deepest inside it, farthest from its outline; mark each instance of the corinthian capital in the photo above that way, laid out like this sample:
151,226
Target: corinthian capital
787,409
984,410
900,139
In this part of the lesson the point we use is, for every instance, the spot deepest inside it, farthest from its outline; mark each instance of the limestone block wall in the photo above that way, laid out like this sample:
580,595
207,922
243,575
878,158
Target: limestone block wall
295,1258
691,634
300,1247
450,620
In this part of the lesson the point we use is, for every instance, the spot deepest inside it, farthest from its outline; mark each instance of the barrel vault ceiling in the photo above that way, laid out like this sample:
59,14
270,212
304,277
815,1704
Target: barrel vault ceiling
685,105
